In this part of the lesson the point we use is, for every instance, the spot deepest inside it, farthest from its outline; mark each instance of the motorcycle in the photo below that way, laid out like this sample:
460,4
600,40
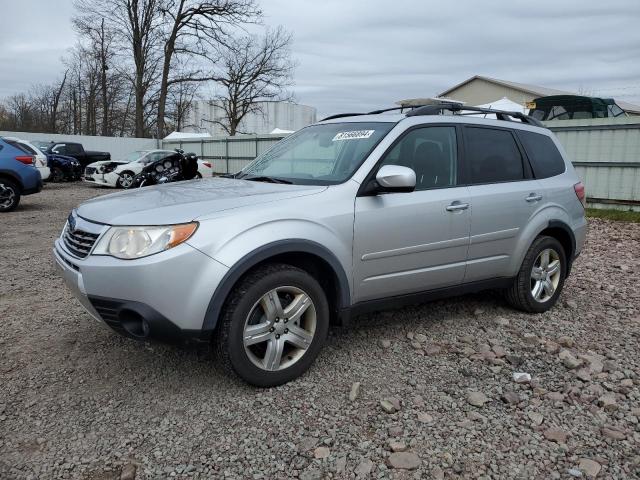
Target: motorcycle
172,168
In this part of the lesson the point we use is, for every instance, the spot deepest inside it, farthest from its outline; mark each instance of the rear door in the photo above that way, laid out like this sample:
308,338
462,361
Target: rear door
504,196
416,241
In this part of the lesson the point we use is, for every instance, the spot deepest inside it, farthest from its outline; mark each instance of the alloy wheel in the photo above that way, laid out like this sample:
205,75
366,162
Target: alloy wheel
126,179
279,328
545,275
7,196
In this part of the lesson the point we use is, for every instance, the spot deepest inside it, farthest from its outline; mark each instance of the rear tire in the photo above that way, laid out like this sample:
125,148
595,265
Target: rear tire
273,325
541,277
57,175
9,195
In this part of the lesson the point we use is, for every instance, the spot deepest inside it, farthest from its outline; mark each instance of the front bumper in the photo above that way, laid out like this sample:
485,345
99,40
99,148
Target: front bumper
163,296
104,179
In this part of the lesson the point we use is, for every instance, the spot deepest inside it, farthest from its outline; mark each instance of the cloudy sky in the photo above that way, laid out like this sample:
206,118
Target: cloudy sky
365,54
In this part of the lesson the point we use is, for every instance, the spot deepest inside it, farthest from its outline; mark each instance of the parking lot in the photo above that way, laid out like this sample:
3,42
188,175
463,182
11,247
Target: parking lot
436,383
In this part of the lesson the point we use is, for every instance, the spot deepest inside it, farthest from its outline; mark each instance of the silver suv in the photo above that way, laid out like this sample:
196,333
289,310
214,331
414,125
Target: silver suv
352,214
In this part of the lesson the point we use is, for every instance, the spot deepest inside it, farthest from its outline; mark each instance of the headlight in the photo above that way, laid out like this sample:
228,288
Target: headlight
137,242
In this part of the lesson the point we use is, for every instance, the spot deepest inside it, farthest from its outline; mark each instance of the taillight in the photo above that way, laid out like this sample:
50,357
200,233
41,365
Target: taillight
580,193
206,164
27,160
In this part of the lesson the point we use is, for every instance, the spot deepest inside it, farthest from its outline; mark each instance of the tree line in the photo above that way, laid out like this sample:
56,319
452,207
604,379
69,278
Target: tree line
138,66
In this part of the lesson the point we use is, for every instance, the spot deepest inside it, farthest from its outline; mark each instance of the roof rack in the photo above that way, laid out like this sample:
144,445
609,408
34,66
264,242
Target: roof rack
374,112
455,107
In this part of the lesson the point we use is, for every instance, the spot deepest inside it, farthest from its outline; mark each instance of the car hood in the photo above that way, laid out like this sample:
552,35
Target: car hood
181,202
105,162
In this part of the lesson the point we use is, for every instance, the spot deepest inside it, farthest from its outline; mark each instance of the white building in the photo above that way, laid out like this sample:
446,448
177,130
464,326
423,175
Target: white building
271,116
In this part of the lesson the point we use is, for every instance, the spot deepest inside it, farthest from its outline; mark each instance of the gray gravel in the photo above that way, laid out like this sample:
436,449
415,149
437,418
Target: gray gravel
437,393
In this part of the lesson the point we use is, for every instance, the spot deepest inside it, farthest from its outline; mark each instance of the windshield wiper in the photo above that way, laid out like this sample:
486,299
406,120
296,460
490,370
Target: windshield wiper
264,178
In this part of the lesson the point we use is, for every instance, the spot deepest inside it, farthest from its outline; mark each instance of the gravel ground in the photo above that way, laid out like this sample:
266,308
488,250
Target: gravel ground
436,389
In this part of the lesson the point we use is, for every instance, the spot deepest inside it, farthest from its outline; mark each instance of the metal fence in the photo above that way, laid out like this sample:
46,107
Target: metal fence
606,154
226,154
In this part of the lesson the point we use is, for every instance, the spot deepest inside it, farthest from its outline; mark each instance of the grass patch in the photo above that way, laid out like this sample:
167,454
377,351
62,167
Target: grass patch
617,215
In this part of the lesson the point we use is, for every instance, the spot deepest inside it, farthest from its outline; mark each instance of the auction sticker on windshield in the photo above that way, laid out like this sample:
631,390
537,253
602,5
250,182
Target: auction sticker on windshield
353,135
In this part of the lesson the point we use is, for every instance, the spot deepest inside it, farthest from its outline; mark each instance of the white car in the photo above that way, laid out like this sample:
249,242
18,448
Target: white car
40,158
120,173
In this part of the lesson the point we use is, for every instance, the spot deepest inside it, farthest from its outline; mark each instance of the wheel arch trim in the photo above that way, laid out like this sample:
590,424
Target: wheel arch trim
263,253
563,226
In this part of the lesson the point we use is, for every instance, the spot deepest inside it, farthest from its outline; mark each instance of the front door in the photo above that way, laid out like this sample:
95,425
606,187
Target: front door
411,242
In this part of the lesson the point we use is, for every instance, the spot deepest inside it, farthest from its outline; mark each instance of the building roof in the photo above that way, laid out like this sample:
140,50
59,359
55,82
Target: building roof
532,89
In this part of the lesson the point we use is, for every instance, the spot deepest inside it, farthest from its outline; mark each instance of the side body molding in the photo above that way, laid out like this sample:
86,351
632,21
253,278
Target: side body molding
264,252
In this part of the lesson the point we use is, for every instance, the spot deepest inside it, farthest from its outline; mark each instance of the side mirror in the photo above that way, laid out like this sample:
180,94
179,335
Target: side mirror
395,178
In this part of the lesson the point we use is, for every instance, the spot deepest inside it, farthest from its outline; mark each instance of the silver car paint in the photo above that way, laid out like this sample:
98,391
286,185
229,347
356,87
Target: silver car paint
387,244
181,202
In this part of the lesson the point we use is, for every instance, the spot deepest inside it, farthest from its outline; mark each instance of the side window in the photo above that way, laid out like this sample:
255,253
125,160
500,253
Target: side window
431,152
20,146
493,156
60,149
615,111
545,158
74,148
28,149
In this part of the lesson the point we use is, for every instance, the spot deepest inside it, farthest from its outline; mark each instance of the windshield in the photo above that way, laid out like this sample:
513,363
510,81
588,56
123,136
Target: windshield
43,146
320,154
133,156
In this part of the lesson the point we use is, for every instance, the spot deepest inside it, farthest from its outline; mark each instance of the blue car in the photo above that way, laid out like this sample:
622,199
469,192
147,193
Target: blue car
18,175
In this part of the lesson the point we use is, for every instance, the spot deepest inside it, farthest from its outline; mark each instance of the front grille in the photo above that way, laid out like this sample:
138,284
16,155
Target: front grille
89,171
79,242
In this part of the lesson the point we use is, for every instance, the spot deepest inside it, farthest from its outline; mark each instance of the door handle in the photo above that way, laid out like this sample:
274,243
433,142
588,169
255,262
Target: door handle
457,206
533,197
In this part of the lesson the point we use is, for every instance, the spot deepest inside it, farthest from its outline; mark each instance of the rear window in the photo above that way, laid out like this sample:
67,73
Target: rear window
546,160
493,156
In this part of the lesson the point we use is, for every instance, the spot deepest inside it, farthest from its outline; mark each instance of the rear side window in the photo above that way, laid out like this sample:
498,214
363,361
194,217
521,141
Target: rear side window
493,156
543,154
73,148
17,145
28,148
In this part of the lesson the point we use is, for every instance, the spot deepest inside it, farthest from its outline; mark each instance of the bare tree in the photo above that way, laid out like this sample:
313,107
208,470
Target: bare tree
55,103
253,70
190,26
136,24
179,103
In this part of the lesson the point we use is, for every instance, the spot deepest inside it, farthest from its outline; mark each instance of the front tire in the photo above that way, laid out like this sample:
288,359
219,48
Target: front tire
9,195
541,277
273,325
125,180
